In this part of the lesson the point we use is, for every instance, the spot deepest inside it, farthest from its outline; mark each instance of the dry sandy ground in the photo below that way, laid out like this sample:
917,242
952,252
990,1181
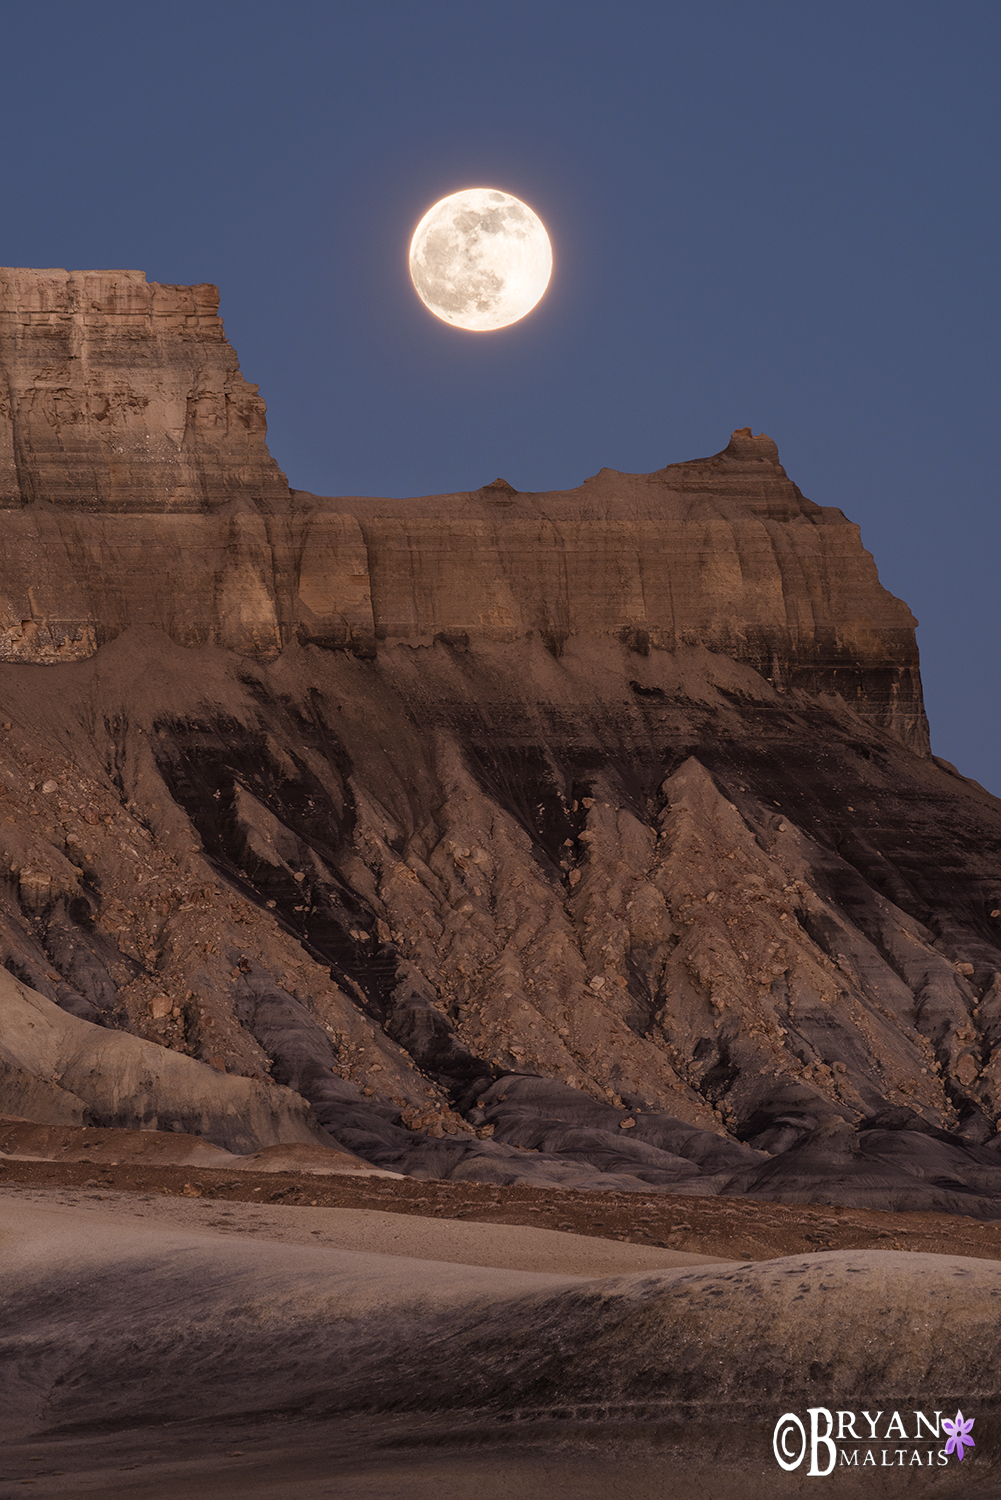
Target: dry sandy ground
367,1231
237,1348
154,1163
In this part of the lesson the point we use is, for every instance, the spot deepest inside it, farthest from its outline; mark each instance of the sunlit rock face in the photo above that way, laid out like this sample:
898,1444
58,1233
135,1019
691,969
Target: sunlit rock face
138,491
135,482
123,396
723,553
586,837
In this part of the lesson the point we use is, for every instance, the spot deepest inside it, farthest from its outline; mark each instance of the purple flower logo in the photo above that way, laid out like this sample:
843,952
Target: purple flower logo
959,1433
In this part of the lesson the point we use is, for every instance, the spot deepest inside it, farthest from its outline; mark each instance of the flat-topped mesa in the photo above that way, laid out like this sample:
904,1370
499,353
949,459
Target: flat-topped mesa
722,552
136,489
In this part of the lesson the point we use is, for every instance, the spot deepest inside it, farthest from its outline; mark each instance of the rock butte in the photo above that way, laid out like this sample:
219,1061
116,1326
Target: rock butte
589,837
140,492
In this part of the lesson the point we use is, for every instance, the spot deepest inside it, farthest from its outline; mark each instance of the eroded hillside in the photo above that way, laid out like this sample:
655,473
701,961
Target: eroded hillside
585,838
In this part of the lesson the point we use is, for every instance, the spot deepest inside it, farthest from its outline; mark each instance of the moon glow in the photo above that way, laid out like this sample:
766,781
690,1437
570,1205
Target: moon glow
480,259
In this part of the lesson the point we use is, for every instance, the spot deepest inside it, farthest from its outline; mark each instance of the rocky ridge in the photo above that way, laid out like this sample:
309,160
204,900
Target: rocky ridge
586,838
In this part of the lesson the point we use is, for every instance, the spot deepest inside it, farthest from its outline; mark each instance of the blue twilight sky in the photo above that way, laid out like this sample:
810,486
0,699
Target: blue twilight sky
782,213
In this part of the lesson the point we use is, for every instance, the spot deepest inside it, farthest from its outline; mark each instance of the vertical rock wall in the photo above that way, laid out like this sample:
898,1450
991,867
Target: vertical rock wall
122,396
136,489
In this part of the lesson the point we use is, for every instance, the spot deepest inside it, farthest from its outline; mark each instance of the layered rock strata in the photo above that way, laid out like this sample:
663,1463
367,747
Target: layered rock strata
137,490
123,397
135,479
581,838
723,553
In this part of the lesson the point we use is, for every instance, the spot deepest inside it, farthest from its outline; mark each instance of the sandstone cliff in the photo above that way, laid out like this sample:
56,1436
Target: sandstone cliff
723,552
585,837
134,474
138,491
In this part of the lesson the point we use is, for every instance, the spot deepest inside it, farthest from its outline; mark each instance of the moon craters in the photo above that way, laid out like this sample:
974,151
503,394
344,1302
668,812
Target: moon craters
480,259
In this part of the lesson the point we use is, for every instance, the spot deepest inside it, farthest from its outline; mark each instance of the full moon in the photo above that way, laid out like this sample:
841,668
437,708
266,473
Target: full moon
480,259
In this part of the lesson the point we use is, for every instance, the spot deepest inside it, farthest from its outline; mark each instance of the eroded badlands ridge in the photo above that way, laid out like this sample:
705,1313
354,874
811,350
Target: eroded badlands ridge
585,837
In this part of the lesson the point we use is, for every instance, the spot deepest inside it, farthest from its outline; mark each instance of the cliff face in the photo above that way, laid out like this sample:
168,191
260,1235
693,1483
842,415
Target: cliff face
123,397
134,474
599,823
138,491
724,553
